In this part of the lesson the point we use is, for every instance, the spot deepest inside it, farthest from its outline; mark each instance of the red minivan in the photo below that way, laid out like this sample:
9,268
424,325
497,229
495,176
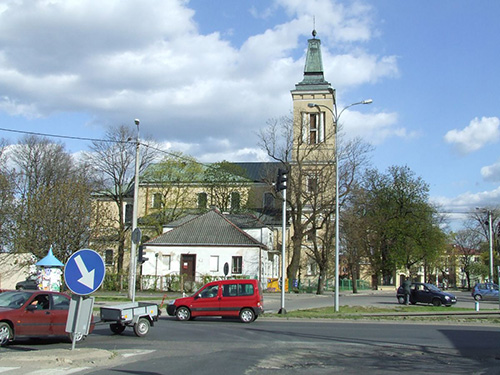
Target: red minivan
227,298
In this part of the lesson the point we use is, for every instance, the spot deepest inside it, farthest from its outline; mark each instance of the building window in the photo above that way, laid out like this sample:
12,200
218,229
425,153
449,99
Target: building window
166,261
108,257
237,265
235,201
268,201
313,128
202,201
214,263
157,200
129,208
312,184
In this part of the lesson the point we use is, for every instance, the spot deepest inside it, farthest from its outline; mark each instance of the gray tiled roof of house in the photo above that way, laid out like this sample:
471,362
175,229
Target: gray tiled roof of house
210,228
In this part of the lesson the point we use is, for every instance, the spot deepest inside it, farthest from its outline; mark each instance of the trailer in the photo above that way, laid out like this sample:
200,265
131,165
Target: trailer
138,315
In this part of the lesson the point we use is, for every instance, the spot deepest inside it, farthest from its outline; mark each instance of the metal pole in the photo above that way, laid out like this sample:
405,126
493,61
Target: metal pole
337,230
490,228
283,248
133,248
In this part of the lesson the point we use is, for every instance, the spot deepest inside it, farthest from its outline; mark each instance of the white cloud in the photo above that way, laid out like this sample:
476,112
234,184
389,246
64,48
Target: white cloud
491,173
118,60
477,134
467,202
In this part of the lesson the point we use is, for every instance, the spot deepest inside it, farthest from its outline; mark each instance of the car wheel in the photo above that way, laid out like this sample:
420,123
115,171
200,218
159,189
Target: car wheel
478,297
78,336
436,302
247,315
141,328
5,333
183,313
20,288
116,328
401,300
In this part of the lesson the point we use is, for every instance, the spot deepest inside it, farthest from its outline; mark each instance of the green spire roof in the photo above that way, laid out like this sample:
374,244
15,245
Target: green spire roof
313,70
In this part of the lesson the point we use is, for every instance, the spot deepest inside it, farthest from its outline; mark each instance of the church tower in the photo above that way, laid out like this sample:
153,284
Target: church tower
314,138
314,126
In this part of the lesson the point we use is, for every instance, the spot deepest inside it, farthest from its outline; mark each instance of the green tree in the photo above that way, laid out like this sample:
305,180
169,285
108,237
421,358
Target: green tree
403,226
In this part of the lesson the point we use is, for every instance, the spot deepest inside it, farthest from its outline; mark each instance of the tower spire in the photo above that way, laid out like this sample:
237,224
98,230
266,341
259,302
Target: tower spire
313,70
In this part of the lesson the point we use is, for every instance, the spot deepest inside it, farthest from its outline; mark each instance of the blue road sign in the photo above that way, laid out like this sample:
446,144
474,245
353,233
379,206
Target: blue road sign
84,272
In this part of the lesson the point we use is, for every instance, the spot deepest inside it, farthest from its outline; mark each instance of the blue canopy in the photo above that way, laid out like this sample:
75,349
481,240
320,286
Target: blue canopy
50,261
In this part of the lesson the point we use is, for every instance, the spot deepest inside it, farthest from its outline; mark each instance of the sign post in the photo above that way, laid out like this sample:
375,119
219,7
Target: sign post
84,273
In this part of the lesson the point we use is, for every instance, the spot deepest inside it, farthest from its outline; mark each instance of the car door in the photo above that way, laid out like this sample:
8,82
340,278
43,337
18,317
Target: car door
59,308
35,318
206,301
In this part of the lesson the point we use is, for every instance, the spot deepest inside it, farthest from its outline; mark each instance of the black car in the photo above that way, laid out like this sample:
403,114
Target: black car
426,293
30,283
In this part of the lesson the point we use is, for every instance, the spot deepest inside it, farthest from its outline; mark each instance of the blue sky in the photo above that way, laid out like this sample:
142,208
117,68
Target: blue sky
204,77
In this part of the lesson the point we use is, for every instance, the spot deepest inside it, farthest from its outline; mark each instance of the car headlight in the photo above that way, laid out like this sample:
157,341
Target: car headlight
447,298
171,302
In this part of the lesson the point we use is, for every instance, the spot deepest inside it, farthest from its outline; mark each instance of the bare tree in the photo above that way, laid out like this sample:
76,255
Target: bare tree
113,161
310,188
53,199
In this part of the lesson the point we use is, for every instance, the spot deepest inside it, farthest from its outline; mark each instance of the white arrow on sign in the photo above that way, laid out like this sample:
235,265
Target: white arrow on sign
87,278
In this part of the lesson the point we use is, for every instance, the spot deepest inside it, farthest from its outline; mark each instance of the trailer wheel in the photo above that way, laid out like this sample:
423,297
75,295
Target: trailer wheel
141,328
116,328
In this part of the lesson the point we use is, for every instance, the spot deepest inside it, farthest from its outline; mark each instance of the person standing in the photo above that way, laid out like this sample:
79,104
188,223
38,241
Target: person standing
407,290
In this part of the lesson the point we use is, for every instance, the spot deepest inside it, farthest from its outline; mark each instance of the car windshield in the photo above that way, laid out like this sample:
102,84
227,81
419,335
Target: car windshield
433,287
13,299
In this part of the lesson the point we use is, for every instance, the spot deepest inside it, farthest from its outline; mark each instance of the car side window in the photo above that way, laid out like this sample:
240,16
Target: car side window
235,290
60,302
210,292
41,302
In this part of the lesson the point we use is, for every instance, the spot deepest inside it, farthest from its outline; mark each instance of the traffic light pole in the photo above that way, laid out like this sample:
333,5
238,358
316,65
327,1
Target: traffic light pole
283,248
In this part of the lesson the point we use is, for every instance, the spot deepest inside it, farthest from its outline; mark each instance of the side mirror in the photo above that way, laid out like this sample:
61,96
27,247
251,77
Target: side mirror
31,307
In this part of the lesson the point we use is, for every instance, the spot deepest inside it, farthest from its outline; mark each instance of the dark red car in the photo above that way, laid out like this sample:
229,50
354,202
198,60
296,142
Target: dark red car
38,313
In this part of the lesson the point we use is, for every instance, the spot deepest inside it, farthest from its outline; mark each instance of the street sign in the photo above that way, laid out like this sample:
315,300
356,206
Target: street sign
84,272
136,236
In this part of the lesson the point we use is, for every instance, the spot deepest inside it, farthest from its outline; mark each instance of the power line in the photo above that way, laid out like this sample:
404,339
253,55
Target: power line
57,136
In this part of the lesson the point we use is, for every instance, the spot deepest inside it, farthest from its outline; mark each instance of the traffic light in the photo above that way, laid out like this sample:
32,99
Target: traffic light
281,180
141,259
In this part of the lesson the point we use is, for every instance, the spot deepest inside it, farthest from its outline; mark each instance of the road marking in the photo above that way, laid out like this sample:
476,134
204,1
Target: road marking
5,369
137,352
57,371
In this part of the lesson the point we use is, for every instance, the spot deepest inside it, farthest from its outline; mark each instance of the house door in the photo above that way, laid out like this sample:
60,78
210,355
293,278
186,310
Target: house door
188,270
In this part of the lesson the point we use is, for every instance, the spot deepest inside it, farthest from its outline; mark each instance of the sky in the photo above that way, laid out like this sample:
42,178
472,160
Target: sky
204,77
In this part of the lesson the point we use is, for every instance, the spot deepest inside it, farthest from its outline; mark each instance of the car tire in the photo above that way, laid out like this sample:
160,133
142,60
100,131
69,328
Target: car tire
247,315
5,333
436,302
478,297
183,313
116,328
141,328
401,300
79,337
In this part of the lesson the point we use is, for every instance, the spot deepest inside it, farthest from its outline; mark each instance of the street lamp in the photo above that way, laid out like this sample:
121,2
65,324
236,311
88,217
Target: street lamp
337,238
490,238
136,233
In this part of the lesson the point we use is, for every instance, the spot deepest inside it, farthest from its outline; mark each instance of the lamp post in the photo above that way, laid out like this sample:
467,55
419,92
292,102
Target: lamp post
490,238
135,232
337,238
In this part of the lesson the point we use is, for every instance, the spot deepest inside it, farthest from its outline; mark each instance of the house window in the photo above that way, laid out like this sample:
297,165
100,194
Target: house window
166,261
202,201
237,265
108,257
235,201
157,200
214,263
313,128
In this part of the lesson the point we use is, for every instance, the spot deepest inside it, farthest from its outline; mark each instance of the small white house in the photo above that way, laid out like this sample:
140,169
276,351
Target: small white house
202,245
